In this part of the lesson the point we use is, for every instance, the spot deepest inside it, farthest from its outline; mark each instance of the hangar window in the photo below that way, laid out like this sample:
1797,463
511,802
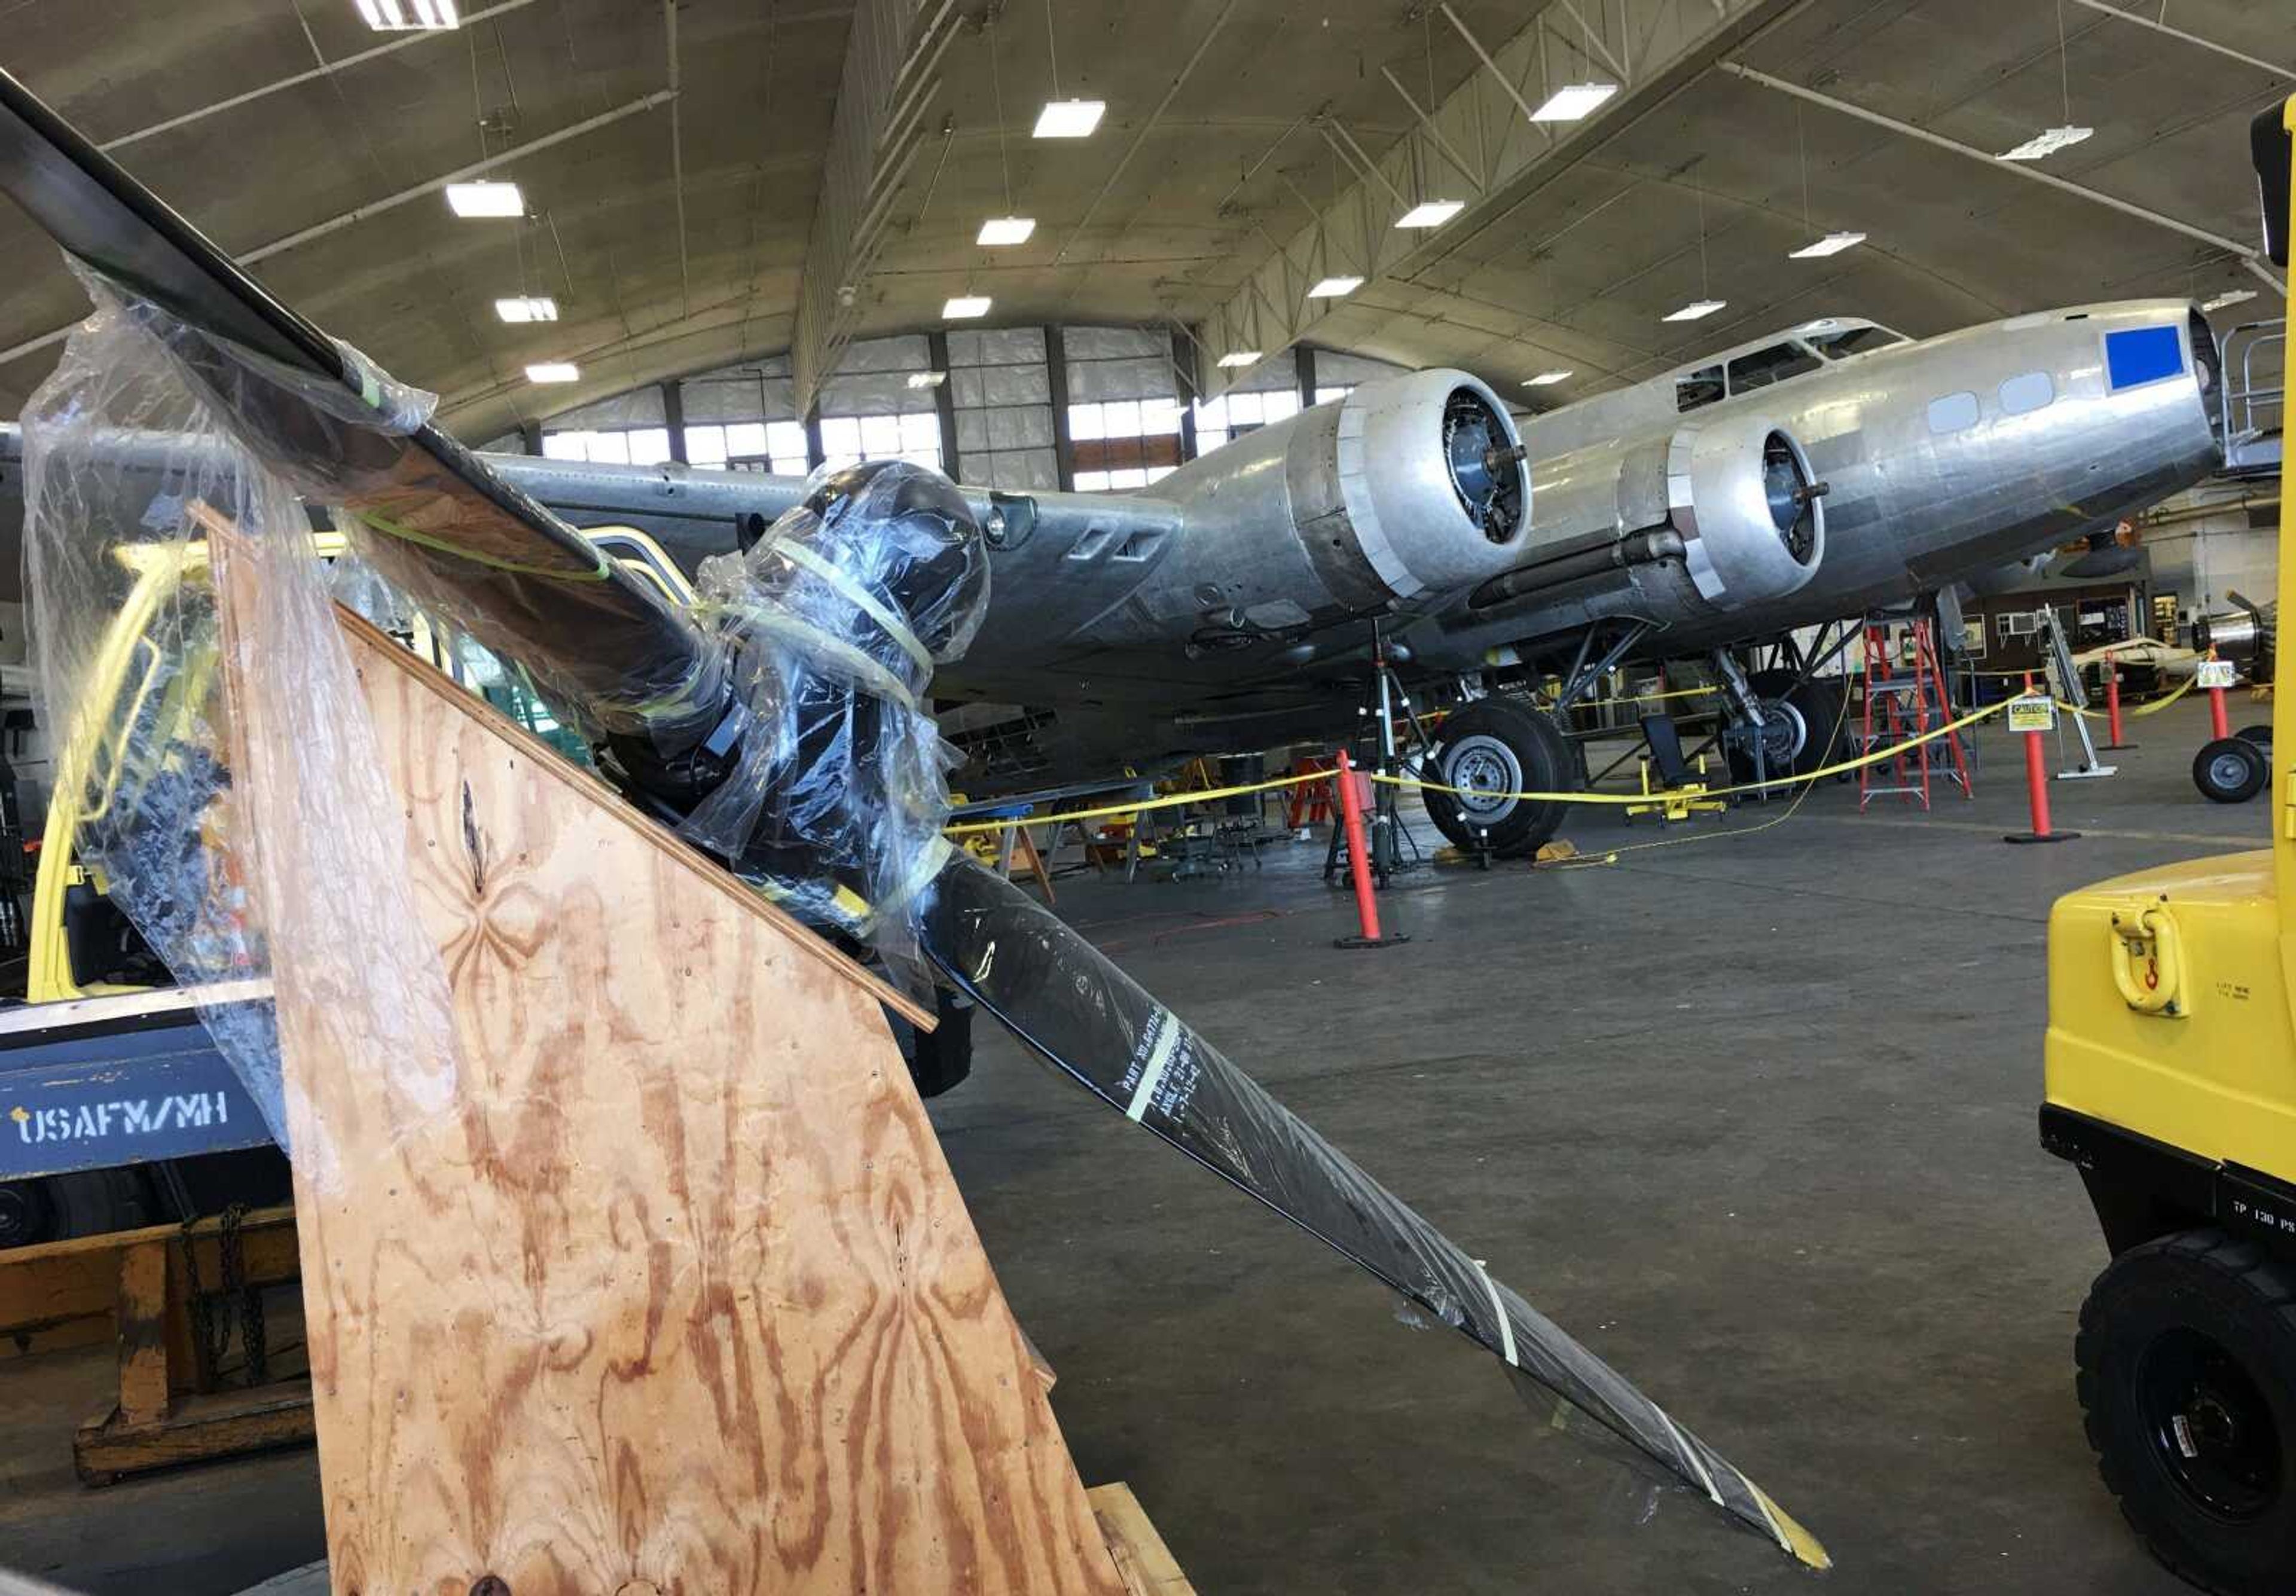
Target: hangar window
1853,340
1774,364
774,446
2022,395
1699,389
914,436
1117,444
631,446
1232,414
1953,412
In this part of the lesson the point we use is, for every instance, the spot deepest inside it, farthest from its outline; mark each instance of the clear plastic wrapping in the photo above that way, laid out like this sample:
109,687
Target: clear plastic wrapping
463,545
835,619
130,649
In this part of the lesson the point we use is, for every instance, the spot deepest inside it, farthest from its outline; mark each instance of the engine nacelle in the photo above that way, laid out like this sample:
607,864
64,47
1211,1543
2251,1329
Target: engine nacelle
1709,514
1410,489
1740,493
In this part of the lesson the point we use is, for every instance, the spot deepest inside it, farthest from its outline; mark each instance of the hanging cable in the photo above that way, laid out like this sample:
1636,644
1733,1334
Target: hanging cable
996,103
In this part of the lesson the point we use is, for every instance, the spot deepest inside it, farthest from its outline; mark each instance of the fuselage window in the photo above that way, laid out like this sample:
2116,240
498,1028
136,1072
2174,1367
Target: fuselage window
2022,395
1699,389
1953,412
1774,364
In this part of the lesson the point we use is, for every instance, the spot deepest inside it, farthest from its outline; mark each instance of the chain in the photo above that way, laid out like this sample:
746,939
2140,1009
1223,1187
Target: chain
211,1330
207,1344
252,1340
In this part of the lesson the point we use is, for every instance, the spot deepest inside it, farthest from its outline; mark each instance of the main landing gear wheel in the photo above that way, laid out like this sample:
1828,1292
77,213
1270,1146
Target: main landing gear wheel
1801,727
1492,748
2188,1382
2232,769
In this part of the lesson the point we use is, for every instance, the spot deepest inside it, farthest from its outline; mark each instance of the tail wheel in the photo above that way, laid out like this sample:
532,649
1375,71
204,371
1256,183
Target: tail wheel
2231,770
2188,1382
1491,750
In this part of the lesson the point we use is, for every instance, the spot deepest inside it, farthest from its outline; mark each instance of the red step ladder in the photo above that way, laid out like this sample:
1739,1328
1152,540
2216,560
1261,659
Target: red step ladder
1899,707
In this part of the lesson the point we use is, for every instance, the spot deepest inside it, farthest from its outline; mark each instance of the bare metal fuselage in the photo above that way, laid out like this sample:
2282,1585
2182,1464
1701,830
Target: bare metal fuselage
1944,459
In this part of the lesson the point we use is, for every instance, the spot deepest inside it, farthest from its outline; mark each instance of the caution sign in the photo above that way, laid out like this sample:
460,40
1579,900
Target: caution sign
2036,711
2215,673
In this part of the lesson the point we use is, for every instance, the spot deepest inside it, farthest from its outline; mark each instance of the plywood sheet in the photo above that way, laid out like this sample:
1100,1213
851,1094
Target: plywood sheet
672,1290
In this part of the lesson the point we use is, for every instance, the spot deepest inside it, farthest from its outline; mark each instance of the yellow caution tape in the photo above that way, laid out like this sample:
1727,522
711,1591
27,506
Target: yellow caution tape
1174,800
1838,767
2150,707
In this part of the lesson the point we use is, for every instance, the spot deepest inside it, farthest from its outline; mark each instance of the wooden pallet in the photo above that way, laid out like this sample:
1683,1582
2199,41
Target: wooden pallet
133,1287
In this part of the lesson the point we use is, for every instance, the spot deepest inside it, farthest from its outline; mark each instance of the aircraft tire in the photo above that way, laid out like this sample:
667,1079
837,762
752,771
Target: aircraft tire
2186,1376
1818,703
1499,745
2230,770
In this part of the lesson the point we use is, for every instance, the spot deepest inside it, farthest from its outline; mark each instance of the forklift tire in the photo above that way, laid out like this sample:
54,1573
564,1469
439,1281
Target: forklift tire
1499,745
2187,1383
88,1203
2230,769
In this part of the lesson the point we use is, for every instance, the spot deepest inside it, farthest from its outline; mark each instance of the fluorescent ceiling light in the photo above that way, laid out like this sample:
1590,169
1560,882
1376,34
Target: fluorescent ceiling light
966,307
1069,118
408,16
2231,296
1696,309
927,379
1335,288
1545,379
553,371
1006,230
539,307
1239,358
1431,213
1832,243
2042,146
485,199
1573,101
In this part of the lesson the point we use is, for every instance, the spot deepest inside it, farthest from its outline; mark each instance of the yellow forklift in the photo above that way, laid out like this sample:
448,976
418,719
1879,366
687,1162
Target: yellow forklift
2171,1086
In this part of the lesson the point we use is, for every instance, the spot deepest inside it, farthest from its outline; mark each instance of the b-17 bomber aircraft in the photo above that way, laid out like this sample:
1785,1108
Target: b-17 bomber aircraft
1791,482
1787,483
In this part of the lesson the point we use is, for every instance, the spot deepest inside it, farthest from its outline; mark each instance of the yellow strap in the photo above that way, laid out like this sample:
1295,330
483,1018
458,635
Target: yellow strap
810,639
860,598
392,528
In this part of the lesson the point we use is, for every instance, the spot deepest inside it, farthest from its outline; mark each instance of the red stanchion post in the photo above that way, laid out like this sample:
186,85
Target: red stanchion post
2032,725
2219,728
1359,863
2112,705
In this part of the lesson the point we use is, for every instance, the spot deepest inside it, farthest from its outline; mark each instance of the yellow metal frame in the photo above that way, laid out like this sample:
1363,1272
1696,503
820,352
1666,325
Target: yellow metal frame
1677,803
2172,993
89,766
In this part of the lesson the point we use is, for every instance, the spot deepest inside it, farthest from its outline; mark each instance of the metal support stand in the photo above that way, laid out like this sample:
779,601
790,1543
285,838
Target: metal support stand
2065,678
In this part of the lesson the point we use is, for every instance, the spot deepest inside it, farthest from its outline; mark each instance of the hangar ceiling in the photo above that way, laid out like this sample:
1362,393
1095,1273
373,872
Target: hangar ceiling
1215,151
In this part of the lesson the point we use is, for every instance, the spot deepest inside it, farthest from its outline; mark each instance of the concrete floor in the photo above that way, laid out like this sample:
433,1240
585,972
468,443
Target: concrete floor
1752,1115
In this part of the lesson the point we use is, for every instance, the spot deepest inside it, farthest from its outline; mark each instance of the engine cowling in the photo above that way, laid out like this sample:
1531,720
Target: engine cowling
1708,513
1411,488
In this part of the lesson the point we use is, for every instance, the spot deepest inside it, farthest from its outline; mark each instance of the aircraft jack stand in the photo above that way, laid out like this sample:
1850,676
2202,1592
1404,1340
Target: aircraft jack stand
1678,801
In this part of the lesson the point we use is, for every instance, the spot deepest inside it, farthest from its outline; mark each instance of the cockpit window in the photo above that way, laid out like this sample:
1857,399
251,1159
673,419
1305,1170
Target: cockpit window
1774,364
1699,389
1853,340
